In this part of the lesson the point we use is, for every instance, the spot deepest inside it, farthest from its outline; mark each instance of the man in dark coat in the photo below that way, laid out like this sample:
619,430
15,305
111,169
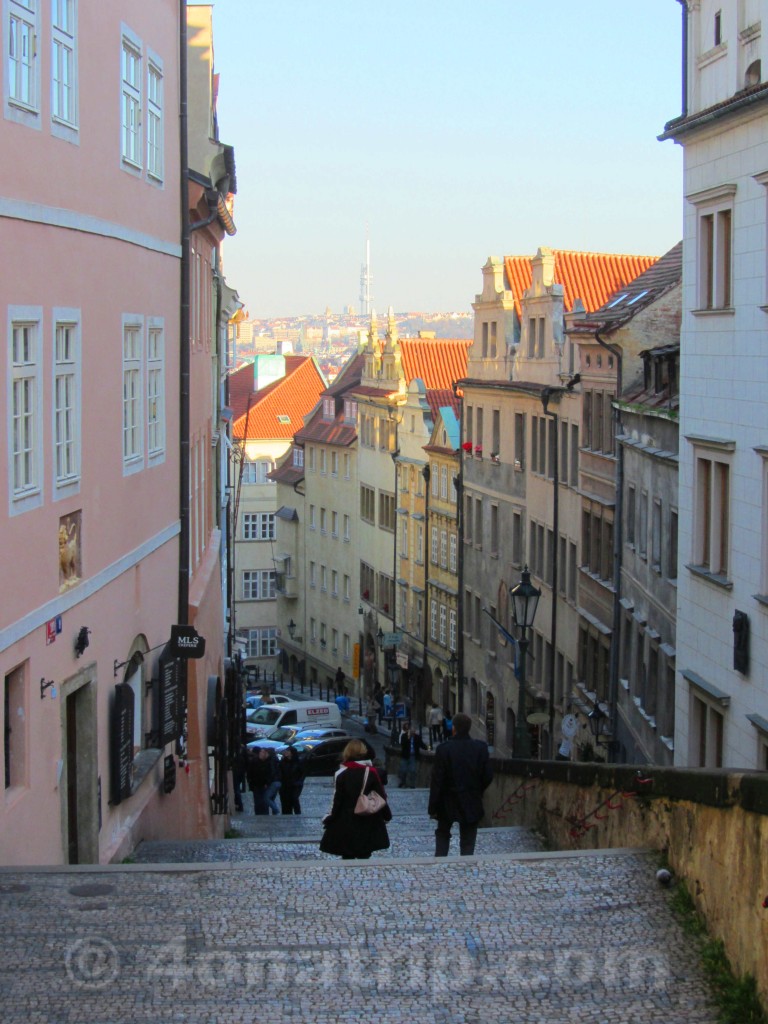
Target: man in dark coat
460,775
411,746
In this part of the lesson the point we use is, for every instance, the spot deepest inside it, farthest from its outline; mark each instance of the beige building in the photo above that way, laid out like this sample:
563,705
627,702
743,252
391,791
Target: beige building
270,398
521,421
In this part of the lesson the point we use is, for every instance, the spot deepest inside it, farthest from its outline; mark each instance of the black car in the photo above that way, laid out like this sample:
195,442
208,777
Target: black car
321,756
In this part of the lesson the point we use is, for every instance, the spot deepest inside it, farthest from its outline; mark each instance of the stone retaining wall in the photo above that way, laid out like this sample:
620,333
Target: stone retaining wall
712,826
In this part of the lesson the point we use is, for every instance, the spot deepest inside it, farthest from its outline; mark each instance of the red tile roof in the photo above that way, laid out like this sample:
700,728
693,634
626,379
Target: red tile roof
589,276
291,397
437,361
440,397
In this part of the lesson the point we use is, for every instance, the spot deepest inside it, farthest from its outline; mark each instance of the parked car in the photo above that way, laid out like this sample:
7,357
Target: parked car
321,756
255,700
288,735
306,714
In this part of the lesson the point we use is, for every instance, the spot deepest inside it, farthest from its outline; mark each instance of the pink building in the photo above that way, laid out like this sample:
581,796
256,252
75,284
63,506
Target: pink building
93,724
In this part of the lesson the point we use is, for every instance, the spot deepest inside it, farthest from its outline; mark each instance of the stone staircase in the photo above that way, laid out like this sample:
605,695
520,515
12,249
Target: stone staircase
297,837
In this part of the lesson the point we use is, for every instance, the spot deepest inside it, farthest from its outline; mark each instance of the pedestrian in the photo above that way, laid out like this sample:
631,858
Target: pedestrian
371,708
411,746
239,762
447,727
460,775
291,781
260,773
338,681
346,834
435,723
273,787
387,703
378,702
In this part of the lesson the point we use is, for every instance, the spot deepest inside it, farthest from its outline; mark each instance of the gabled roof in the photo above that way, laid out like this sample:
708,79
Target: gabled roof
437,361
630,299
439,398
337,431
589,276
277,410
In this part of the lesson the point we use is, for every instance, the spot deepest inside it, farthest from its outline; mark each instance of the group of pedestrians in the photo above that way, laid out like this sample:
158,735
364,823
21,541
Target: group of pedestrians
269,778
460,774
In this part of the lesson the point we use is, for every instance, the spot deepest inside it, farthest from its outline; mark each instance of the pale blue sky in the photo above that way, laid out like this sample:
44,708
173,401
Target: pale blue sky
455,130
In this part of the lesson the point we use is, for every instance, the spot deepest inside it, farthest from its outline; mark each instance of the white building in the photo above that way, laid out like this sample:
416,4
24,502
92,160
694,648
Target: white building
721,710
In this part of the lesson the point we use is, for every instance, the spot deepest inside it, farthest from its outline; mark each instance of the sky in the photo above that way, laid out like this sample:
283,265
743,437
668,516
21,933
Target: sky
446,132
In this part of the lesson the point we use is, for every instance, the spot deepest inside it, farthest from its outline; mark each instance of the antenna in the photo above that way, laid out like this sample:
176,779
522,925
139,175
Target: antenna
366,278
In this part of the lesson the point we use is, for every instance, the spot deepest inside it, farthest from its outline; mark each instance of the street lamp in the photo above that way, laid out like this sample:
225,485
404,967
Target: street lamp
292,629
453,663
596,718
525,601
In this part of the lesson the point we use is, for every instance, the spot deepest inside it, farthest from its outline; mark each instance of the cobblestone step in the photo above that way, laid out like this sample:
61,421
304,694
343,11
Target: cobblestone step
530,938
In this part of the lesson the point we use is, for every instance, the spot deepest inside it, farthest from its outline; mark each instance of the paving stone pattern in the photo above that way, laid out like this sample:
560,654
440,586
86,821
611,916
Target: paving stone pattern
506,937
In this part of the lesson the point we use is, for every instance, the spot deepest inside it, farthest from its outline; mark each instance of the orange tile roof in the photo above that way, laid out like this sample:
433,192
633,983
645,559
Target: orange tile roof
293,396
589,276
437,361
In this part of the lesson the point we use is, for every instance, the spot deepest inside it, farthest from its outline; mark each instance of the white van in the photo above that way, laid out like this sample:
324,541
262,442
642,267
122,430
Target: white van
313,715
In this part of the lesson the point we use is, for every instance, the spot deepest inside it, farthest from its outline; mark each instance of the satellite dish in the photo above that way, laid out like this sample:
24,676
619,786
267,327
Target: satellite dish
538,718
570,727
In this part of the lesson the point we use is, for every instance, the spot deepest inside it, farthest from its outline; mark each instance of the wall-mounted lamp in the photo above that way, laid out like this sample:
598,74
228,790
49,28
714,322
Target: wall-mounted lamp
292,629
596,718
380,639
44,686
82,641
135,660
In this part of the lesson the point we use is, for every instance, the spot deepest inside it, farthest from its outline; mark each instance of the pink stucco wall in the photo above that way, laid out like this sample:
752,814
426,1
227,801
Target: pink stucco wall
127,593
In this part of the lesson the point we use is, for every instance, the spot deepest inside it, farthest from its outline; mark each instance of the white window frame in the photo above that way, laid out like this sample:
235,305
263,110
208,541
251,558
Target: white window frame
258,526
132,405
433,546
313,574
334,583
346,523
25,385
347,588
433,619
22,27
298,457
155,118
259,584
156,421
452,629
66,396
712,467
453,555
443,549
714,248
443,625
444,483
131,100
65,85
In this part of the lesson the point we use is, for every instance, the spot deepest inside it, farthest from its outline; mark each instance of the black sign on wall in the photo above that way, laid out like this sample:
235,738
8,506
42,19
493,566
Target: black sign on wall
186,642
169,698
121,742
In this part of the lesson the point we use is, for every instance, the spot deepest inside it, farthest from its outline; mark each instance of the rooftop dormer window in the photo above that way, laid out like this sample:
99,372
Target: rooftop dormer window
328,409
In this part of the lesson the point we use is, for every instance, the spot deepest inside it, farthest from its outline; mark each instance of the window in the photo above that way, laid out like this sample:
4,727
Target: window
298,457
323,461
453,552
387,511
66,400
478,522
346,650
335,641
155,390
419,552
519,440
15,716
24,406
718,31
350,410
672,546
347,588
517,539
323,521
155,119
261,643
334,524
255,471
346,466
258,584
258,526
312,574
404,537
312,518
656,535
367,504
312,460
433,546
494,529
631,515
63,62
23,66
444,483
132,396
706,737
324,578
131,102
435,478
329,409
714,246
452,628
642,525
433,619
346,528
443,548
334,463
443,624
711,527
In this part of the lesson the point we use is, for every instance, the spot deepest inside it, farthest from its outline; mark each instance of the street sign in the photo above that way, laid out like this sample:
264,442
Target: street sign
391,639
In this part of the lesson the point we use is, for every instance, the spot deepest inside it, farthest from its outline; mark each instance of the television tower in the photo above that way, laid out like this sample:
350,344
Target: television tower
366,278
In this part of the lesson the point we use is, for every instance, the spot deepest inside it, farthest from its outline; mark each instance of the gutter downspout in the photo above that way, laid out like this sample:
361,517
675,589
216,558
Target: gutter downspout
684,62
426,472
545,397
459,483
613,662
184,326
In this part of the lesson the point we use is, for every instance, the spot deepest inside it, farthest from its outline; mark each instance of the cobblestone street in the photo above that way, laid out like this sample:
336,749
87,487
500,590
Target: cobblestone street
515,934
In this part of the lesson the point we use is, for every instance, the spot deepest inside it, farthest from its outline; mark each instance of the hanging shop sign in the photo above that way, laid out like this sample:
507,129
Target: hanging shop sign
186,642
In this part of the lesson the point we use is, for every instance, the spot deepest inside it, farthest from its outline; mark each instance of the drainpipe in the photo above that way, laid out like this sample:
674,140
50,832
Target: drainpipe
184,326
459,482
426,472
545,397
684,62
613,661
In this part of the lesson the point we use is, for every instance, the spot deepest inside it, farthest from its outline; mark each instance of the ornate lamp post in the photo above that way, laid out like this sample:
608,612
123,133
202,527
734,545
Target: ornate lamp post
453,663
525,601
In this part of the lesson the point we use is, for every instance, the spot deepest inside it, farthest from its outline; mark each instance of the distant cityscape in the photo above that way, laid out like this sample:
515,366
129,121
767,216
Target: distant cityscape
331,337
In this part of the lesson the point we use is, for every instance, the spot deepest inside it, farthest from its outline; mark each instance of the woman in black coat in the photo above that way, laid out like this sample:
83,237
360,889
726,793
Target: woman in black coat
346,834
291,781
